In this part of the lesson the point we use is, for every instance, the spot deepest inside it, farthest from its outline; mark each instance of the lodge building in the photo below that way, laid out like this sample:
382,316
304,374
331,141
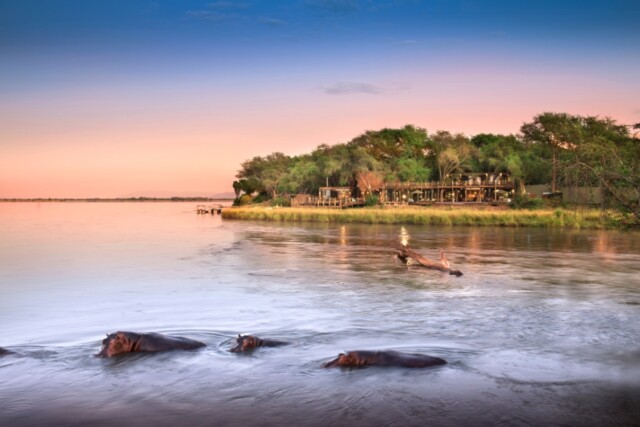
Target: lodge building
455,188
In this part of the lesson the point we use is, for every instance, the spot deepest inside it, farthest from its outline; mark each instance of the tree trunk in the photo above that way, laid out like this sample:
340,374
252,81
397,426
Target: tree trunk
405,253
554,171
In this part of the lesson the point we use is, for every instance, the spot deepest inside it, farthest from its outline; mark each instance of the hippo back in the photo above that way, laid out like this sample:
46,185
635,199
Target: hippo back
153,342
123,342
362,358
408,360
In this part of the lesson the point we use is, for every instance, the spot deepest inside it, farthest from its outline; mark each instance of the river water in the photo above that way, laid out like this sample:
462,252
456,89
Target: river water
542,329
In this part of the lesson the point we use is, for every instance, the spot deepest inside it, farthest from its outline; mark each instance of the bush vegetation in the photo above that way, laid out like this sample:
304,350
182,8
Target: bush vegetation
280,201
526,201
553,148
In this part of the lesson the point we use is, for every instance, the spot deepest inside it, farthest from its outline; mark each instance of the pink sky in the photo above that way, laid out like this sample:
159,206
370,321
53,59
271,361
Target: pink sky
113,142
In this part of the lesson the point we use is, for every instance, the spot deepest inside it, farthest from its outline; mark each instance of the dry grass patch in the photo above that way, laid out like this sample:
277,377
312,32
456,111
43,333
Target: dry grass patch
589,218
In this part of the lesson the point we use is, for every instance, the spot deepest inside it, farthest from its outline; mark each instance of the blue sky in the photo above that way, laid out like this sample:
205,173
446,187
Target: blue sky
117,33
52,42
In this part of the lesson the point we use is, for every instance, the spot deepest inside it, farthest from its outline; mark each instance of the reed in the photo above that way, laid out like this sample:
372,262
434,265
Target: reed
575,219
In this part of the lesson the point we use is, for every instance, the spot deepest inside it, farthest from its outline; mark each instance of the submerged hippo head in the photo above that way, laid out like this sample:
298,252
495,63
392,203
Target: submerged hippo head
246,343
118,343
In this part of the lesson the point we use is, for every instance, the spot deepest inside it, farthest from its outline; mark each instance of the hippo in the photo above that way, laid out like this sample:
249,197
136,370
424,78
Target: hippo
249,342
131,342
4,351
358,359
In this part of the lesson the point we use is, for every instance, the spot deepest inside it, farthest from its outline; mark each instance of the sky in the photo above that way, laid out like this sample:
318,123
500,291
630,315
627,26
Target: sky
120,98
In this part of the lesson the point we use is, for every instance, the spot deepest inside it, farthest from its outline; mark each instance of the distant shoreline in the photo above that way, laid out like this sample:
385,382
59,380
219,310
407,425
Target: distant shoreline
124,199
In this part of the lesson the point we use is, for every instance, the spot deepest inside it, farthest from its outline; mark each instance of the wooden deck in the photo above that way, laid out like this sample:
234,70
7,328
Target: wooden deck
339,203
451,191
466,189
212,209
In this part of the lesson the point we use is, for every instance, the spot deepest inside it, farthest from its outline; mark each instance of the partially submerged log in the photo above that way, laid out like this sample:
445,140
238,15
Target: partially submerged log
405,254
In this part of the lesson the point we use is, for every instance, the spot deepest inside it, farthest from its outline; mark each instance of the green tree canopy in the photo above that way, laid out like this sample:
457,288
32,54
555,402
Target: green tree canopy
559,133
553,147
453,153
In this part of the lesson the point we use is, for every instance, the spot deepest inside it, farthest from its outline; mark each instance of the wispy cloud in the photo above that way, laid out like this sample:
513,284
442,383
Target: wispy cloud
210,15
404,43
347,88
271,21
335,6
376,7
225,4
223,11
219,11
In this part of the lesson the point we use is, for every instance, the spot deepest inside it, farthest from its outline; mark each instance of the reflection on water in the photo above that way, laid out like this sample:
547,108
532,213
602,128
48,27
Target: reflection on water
404,236
543,328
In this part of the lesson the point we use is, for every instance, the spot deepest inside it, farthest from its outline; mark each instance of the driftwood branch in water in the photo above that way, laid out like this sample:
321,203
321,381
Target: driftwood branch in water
405,253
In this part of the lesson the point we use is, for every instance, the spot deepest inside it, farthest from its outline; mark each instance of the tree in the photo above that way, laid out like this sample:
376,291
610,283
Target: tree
515,167
268,171
273,175
302,177
508,153
451,152
368,181
237,188
609,157
494,150
410,169
389,144
560,132
247,186
483,139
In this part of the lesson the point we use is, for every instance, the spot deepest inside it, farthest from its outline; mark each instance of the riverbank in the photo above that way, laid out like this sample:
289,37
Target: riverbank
576,219
117,200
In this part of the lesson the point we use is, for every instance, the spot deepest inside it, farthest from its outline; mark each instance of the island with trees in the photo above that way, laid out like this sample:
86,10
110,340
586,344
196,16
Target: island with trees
557,159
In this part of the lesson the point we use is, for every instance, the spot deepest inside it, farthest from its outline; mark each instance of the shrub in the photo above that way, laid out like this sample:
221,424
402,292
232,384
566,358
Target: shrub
243,200
260,198
371,200
281,201
525,201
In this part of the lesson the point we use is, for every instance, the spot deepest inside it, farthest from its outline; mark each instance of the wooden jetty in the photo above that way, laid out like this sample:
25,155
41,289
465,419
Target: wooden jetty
212,209
330,197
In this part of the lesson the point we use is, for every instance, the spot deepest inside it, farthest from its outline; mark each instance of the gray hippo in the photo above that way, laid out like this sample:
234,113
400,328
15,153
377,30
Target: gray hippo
359,359
131,342
249,342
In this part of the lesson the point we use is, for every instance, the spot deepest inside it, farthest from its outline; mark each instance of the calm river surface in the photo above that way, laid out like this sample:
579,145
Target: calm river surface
542,329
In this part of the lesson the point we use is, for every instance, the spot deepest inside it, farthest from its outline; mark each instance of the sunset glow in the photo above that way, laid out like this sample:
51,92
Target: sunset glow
118,98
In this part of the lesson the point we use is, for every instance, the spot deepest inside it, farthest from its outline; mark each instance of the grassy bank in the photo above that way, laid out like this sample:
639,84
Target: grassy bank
592,219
